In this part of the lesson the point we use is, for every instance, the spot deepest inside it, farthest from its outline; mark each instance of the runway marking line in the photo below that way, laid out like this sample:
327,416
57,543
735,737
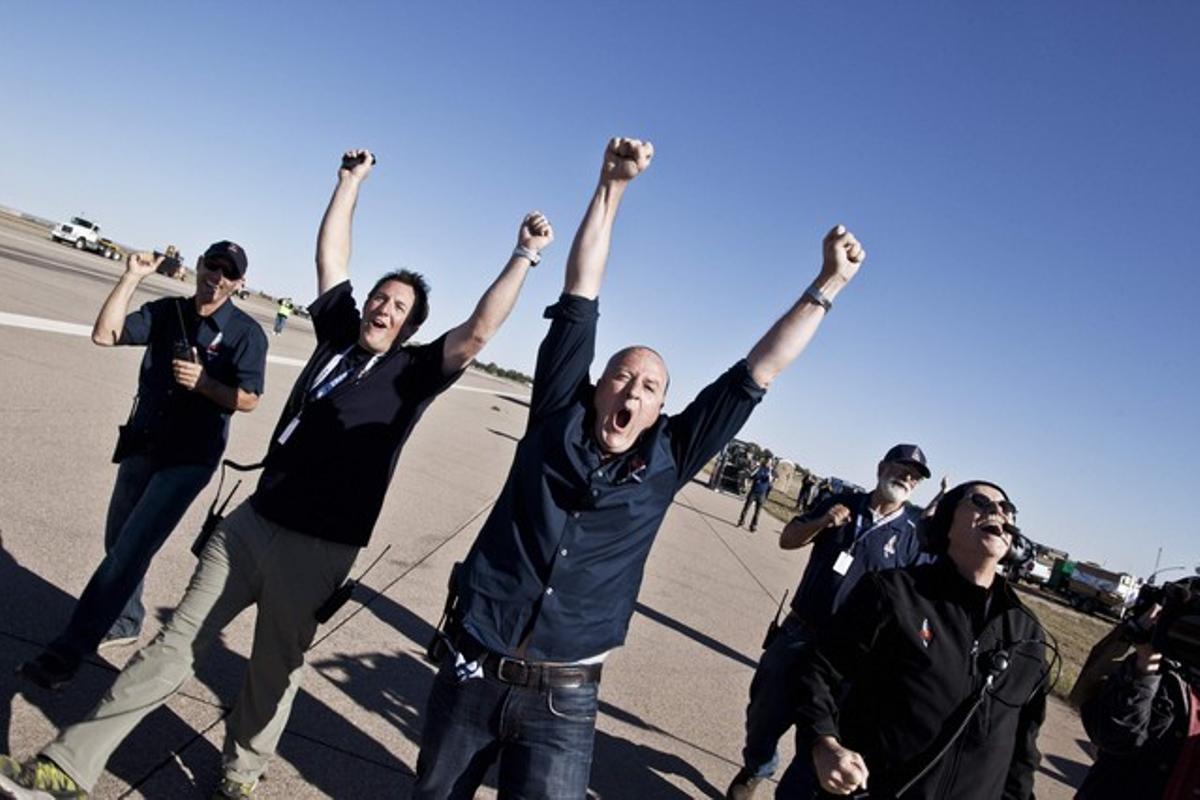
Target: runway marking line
74,329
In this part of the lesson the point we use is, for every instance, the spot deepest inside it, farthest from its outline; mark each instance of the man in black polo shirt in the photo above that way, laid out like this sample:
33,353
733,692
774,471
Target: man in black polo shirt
204,360
292,544
851,533
550,584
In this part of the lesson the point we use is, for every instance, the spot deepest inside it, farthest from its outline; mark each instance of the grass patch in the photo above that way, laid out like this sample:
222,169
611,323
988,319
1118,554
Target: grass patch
1076,633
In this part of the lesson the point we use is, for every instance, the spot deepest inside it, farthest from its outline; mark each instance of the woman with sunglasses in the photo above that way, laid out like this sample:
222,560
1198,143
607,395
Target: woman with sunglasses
931,680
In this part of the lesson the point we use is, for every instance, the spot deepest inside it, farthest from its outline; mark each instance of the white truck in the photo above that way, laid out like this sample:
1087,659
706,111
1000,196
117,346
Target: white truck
1094,589
83,234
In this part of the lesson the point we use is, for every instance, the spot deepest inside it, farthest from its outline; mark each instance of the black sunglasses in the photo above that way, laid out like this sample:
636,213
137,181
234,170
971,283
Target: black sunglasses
984,503
221,265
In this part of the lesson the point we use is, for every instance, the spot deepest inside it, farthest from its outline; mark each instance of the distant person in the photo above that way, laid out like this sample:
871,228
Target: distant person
1144,718
204,360
760,486
282,312
548,588
290,547
930,681
808,487
851,534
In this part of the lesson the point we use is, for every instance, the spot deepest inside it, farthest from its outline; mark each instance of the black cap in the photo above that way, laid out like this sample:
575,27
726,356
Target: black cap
231,254
909,454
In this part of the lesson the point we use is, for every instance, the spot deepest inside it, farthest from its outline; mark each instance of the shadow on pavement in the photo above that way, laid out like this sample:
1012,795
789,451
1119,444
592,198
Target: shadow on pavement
1067,772
697,636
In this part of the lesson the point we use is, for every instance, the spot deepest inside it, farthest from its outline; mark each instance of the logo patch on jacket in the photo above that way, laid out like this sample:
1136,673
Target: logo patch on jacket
889,547
926,633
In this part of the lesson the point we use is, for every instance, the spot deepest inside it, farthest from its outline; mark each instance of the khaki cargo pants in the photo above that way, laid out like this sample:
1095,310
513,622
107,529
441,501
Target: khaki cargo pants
248,561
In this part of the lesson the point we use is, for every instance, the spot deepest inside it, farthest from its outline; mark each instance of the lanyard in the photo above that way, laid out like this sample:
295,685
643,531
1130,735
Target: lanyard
860,533
322,385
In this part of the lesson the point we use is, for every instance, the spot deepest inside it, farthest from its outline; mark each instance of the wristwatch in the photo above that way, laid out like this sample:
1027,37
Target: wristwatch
524,252
815,295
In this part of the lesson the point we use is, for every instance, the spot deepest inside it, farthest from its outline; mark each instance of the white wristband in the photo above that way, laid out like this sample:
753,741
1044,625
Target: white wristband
525,252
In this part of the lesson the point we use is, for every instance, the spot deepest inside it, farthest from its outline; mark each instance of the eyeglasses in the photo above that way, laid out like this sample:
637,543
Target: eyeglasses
229,271
985,503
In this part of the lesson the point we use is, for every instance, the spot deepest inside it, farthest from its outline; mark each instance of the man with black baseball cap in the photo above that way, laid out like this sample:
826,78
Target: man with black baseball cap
851,533
204,360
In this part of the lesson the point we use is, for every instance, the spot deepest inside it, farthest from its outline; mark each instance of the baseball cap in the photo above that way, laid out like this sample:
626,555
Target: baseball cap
909,454
230,254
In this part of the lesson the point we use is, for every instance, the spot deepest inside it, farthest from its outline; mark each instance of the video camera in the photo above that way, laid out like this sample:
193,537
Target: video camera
1176,633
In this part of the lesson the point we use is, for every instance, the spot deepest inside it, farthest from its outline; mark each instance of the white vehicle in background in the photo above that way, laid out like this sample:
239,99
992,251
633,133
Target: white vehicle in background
83,234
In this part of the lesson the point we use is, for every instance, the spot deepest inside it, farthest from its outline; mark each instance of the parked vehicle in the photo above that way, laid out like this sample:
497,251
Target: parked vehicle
1094,589
83,234
732,467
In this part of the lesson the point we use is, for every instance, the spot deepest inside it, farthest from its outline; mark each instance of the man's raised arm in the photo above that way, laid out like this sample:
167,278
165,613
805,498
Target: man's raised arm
464,342
788,337
333,240
624,160
110,322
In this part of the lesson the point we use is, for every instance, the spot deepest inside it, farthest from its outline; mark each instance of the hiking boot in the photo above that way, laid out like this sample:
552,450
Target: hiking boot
113,640
48,670
744,786
37,779
232,790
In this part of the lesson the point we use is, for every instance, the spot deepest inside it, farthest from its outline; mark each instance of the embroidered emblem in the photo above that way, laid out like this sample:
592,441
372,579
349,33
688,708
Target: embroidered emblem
889,547
926,633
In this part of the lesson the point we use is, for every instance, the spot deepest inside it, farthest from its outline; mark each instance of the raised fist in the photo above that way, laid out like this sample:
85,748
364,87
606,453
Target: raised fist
356,164
840,770
142,264
837,516
625,159
535,233
843,255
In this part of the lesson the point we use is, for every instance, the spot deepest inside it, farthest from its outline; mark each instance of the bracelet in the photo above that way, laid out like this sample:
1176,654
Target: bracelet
815,295
525,252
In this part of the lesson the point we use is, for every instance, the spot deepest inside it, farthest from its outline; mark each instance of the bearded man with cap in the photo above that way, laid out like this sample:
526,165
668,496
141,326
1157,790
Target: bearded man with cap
204,360
852,534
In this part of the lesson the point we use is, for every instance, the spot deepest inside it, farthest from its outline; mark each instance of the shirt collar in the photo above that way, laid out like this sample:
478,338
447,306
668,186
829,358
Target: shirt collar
221,317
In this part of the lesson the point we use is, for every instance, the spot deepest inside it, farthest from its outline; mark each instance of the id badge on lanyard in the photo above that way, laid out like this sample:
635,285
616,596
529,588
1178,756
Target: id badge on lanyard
317,391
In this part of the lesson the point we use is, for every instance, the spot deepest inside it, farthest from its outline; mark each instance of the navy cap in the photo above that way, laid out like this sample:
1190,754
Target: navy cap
231,254
909,454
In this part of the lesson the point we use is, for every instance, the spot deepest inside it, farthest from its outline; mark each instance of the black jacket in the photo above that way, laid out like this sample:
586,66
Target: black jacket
916,647
1139,723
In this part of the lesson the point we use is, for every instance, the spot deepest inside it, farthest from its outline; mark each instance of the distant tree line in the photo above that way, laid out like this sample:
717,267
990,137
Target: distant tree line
493,368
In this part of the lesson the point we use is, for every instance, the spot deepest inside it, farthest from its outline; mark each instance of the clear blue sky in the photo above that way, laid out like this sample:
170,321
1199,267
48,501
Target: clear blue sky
1024,175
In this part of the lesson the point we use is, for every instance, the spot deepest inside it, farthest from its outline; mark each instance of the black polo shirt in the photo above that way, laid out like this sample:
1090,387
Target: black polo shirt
559,561
329,477
178,426
873,546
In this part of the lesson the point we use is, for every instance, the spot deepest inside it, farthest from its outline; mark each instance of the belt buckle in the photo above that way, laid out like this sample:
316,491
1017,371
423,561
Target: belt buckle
521,666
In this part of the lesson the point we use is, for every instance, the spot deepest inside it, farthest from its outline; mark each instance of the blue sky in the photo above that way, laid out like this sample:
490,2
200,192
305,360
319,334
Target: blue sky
1023,175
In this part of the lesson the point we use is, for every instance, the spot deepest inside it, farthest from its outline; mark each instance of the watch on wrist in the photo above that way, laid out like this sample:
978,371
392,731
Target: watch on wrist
524,252
815,295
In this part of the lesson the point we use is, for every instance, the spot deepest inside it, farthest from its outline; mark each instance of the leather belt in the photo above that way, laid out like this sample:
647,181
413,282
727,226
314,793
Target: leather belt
530,674
540,676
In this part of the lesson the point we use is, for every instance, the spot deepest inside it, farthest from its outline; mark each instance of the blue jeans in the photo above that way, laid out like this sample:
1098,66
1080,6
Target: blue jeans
771,712
543,738
147,503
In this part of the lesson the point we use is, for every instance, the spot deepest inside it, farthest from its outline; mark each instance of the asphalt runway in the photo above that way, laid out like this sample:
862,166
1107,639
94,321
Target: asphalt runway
672,701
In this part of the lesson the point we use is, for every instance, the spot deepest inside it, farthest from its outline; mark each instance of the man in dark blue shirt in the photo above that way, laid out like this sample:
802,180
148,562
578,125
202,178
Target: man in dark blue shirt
204,360
851,533
291,546
550,584
760,487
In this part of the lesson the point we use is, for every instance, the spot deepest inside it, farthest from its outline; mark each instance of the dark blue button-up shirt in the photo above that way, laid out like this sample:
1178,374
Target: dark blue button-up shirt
178,426
559,562
874,547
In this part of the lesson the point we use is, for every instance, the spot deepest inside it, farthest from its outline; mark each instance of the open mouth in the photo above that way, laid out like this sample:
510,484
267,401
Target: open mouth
993,528
379,324
622,419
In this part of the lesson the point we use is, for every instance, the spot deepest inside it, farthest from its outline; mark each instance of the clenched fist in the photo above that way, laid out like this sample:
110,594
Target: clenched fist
535,233
625,159
837,516
839,769
356,164
843,255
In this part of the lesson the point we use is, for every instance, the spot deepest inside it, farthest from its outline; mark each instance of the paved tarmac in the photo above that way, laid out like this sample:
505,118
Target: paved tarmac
672,700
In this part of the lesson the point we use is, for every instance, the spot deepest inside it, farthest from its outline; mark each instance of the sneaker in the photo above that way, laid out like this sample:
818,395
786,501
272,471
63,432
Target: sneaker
112,640
232,790
744,786
38,779
48,670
